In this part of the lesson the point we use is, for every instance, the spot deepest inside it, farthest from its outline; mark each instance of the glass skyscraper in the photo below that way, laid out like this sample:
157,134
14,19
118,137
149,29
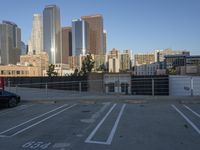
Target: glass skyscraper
52,33
96,33
80,37
10,43
35,43
66,44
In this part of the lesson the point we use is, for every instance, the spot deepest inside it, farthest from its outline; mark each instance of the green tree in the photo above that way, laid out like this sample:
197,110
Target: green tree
76,73
87,65
102,68
172,71
51,71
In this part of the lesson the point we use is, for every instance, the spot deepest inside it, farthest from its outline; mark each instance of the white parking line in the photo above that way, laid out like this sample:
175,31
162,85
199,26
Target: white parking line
198,115
20,131
32,119
187,119
112,133
115,126
88,140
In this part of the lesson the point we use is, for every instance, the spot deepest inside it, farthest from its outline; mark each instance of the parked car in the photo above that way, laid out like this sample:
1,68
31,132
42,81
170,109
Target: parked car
9,99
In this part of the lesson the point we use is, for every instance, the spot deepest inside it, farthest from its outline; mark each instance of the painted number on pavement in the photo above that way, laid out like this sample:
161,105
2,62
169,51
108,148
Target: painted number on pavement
36,145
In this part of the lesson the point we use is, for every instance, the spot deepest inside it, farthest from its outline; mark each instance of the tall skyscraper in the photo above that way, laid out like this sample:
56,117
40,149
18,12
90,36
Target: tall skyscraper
10,43
23,48
66,44
105,41
52,33
35,43
80,37
96,33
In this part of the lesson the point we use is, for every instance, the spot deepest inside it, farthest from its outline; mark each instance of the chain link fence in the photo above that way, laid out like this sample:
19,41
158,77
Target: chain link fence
152,86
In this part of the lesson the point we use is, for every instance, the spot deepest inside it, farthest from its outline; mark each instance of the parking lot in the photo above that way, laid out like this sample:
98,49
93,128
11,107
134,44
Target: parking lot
90,125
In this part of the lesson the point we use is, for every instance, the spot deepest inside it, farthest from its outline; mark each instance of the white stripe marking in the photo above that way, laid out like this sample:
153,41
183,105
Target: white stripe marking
100,123
112,133
187,119
198,115
20,131
33,119
109,140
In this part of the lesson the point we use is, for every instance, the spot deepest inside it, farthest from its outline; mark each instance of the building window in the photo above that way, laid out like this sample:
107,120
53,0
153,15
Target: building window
111,87
18,72
124,87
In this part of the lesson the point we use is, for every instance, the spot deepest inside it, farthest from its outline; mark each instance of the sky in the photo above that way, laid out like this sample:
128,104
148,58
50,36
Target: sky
139,25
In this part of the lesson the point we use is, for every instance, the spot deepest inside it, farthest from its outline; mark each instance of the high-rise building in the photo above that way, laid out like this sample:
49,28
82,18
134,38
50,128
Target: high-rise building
80,37
10,43
66,44
96,33
143,59
125,61
113,60
52,33
104,41
35,42
23,48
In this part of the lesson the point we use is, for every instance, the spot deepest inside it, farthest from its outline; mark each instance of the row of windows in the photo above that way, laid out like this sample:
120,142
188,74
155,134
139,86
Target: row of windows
14,72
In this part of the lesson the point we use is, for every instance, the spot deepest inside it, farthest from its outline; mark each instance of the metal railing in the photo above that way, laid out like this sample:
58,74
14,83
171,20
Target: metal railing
56,89
150,86
172,85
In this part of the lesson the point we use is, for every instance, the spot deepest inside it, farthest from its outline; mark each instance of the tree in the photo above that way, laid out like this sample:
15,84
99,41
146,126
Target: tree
87,65
172,71
102,68
76,73
51,71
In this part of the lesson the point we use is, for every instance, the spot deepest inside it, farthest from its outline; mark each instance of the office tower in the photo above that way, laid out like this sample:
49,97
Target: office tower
23,48
66,44
125,61
10,43
80,37
35,42
96,33
52,33
104,41
113,60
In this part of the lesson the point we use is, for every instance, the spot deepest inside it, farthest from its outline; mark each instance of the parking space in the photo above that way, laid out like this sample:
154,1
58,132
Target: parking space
95,125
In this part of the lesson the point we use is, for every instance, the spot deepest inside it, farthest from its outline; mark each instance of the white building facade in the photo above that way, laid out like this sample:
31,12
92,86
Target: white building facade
36,41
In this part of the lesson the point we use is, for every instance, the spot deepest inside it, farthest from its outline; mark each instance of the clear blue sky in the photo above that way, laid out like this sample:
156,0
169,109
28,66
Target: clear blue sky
140,25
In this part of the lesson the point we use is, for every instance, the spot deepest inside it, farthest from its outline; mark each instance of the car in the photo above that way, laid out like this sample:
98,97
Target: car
9,99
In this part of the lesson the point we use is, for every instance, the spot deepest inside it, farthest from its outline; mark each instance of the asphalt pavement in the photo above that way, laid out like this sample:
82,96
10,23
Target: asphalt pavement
96,125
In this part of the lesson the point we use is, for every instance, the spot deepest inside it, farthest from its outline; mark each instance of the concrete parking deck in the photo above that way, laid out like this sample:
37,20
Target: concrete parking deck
89,125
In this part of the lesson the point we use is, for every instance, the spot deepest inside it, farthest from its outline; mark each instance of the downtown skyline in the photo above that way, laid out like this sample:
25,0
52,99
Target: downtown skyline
139,26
